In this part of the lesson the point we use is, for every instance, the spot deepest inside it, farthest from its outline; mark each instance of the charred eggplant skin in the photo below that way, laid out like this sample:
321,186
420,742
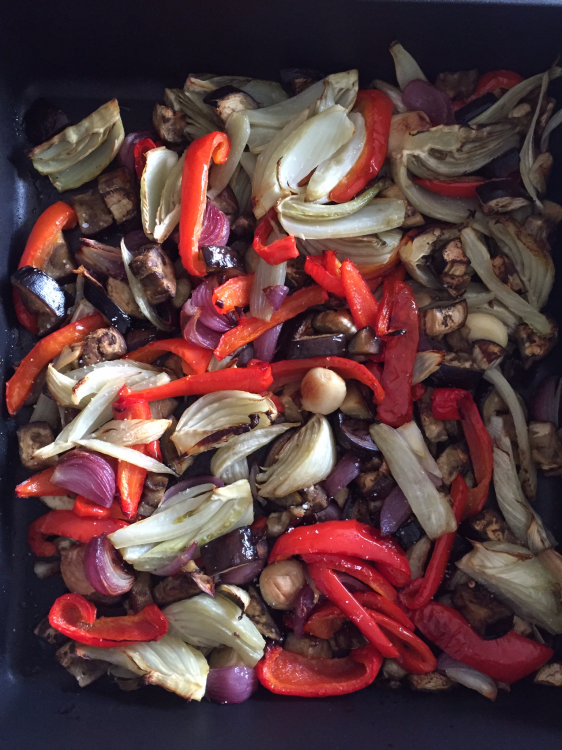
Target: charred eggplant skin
40,291
96,295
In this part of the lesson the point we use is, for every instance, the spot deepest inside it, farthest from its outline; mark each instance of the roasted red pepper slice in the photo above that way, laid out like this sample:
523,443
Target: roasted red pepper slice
256,378
140,151
196,357
39,246
20,384
75,617
67,523
317,270
233,293
358,569
413,654
346,538
419,592
459,188
328,583
288,370
277,252
362,304
195,175
496,79
85,508
286,673
399,357
507,659
376,109
456,403
40,484
249,329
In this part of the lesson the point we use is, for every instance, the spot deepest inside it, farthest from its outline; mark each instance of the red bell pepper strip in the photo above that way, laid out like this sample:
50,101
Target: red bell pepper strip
326,619
382,323
277,252
288,370
362,304
75,617
459,188
414,655
130,478
85,508
40,484
255,378
456,403
20,384
400,354
249,329
318,271
140,151
496,79
418,593
196,357
67,523
330,585
358,569
376,109
346,538
286,673
507,659
195,175
418,390
233,293
38,248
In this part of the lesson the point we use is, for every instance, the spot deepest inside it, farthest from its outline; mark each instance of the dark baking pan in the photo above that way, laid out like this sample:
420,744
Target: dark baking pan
80,54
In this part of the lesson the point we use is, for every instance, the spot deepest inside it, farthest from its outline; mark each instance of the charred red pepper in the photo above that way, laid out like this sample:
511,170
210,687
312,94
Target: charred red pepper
295,369
459,188
346,538
418,593
195,175
255,378
20,384
39,246
40,484
507,659
376,109
286,673
456,403
141,149
233,293
358,569
362,304
413,654
130,478
249,329
330,280
75,617
67,523
399,357
196,357
490,82
277,252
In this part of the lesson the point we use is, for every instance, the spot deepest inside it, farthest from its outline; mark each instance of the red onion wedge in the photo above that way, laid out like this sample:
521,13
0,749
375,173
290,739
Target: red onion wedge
86,474
265,345
331,513
126,154
216,227
276,295
202,298
303,607
394,512
231,684
545,406
134,240
470,678
176,565
105,571
195,332
422,95
342,474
